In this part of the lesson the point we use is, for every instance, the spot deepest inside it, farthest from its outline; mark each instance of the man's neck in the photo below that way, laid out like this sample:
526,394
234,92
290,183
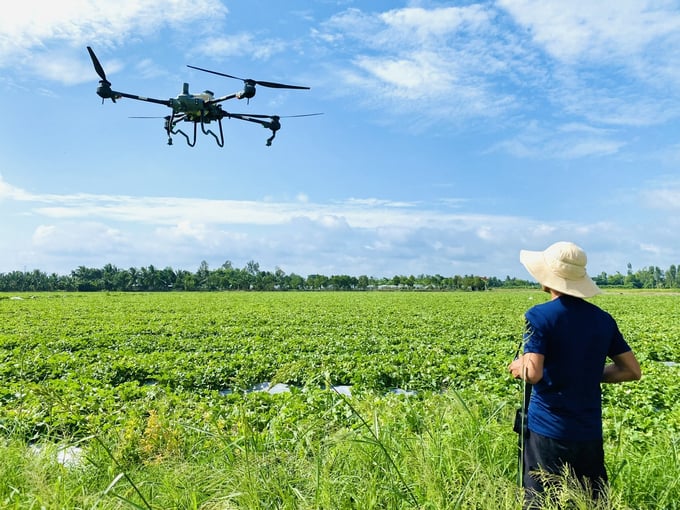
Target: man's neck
553,293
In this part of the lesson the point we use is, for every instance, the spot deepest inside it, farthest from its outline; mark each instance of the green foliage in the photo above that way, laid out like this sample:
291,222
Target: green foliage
251,277
163,380
227,277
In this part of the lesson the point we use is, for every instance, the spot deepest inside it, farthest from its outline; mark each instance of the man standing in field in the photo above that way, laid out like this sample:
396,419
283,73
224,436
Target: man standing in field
566,345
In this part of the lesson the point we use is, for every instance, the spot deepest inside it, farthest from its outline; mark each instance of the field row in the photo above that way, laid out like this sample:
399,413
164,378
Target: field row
74,361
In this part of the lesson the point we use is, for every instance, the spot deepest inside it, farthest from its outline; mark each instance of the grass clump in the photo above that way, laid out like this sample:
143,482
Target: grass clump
435,451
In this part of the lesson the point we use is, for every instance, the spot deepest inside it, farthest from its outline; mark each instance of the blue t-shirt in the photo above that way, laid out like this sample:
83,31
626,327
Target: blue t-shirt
575,338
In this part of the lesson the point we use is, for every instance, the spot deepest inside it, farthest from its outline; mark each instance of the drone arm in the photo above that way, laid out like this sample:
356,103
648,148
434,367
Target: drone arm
112,94
223,98
261,122
273,123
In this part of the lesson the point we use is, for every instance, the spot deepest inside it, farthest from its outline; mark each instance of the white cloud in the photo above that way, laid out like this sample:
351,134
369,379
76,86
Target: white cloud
371,236
427,25
663,195
583,29
437,63
611,62
228,46
185,229
9,192
593,147
80,21
598,63
571,141
651,248
43,234
30,32
79,238
339,238
236,45
541,230
408,27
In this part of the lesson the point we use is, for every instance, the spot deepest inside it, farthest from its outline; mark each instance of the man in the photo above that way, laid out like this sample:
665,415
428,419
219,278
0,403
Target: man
567,343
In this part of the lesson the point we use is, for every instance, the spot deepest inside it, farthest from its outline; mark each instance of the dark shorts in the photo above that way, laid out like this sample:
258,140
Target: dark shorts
585,459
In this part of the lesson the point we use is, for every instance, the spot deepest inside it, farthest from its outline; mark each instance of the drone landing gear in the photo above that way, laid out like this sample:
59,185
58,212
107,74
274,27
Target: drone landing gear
220,140
169,128
191,141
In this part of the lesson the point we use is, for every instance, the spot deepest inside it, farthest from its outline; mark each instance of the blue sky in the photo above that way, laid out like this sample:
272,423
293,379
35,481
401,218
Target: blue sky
454,134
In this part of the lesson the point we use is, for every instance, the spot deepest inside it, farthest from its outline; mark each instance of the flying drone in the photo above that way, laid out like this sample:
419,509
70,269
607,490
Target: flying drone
202,108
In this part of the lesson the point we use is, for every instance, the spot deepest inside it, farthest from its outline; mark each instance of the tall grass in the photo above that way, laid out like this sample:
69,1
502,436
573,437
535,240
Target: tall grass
317,450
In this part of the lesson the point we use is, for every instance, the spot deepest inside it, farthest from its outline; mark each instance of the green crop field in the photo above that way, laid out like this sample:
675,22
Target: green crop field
303,400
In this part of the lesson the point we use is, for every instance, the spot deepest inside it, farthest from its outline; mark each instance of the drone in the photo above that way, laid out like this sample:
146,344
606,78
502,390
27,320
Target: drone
202,108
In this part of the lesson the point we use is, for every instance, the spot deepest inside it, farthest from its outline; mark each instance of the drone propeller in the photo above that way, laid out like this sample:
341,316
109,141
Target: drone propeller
300,115
249,81
104,90
98,67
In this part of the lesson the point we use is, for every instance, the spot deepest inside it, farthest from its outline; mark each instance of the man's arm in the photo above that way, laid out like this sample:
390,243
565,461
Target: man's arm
624,368
529,366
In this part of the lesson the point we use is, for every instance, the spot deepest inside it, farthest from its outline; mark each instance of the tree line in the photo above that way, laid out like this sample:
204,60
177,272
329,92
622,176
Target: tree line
252,278
652,277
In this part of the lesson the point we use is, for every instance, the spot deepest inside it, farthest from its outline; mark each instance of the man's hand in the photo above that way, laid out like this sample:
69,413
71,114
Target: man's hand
528,366
624,368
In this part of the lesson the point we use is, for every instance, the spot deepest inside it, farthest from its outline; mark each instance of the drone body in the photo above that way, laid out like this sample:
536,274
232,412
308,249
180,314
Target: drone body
191,103
202,108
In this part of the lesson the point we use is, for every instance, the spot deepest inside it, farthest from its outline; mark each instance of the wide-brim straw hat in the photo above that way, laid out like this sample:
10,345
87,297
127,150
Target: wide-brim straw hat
561,267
